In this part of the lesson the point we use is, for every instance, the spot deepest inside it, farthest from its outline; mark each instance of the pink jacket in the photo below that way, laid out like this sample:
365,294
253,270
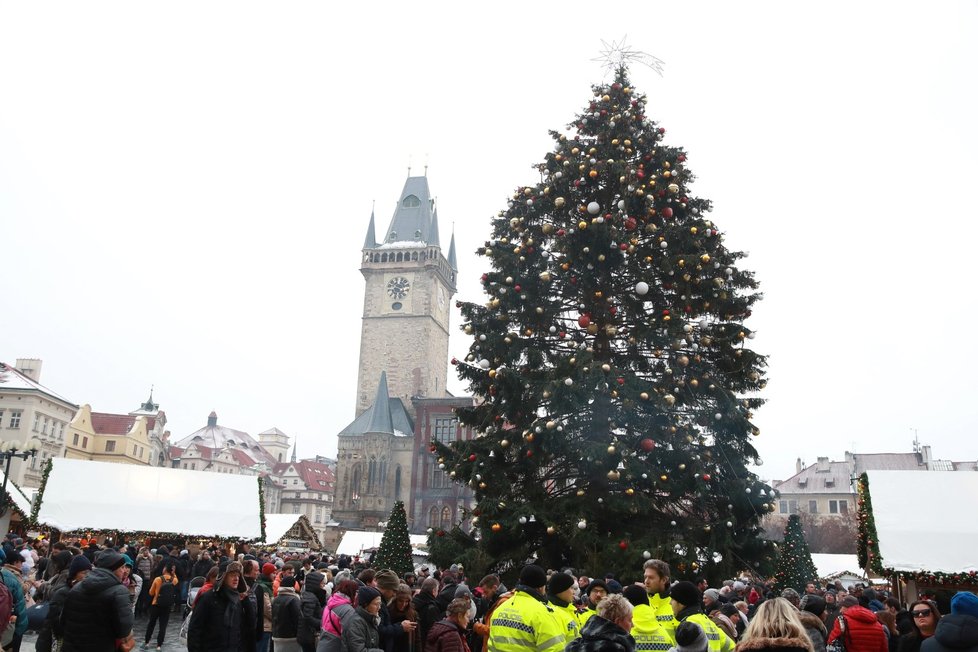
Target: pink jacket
331,622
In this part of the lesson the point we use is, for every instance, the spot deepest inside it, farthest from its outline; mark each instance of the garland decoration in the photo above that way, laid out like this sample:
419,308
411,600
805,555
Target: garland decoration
261,506
36,507
868,548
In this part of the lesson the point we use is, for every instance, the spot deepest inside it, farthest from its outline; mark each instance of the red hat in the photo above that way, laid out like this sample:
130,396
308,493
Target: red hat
268,570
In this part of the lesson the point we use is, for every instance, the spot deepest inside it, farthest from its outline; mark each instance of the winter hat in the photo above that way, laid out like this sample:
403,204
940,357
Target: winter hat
162,550
232,567
559,582
613,586
387,580
128,560
713,594
62,559
109,559
686,594
268,570
849,601
78,564
637,595
314,580
964,604
812,603
596,584
463,591
366,595
533,576
790,595
739,586
689,636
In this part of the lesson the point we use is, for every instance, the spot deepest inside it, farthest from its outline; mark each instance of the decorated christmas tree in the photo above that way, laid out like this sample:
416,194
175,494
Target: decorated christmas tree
612,362
795,567
395,546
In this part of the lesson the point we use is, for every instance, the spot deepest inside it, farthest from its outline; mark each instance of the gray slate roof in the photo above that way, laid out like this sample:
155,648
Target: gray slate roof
386,416
414,219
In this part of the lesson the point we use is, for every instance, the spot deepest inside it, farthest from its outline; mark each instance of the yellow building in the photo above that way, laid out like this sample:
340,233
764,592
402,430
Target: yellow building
107,437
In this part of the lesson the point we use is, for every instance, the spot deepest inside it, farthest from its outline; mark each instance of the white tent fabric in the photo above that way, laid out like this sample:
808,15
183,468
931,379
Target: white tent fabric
17,496
276,525
925,519
354,542
86,496
827,564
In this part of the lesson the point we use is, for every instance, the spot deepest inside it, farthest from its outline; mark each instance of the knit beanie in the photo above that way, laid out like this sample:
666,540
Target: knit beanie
964,604
636,595
613,585
689,636
463,591
559,582
268,570
78,564
366,595
713,594
596,584
686,594
109,559
62,559
533,576
387,580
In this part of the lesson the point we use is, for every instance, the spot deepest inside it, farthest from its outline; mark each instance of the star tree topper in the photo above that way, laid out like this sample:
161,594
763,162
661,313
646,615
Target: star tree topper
618,54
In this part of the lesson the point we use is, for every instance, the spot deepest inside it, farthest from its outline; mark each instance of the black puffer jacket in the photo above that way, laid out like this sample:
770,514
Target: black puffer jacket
286,613
311,604
955,633
96,613
221,622
428,613
600,635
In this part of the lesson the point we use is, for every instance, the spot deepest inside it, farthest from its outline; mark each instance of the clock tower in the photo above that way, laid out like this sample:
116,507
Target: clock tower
409,286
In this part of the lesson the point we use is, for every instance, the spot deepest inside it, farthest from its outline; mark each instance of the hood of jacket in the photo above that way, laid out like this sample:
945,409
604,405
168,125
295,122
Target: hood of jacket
598,628
957,631
861,615
337,599
644,620
314,581
811,621
287,591
98,580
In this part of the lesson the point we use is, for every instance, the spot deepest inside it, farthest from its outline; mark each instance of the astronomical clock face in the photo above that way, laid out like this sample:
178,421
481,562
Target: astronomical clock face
398,287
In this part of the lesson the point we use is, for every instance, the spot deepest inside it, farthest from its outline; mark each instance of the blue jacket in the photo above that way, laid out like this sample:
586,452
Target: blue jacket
20,605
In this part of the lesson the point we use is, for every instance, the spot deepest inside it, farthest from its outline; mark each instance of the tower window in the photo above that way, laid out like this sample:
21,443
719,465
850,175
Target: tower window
411,202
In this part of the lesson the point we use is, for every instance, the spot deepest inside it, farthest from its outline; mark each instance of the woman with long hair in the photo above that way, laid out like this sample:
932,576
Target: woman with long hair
775,626
339,609
401,609
888,621
925,616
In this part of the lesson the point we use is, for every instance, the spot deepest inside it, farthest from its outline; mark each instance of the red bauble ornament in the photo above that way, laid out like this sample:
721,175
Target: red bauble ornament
485,277
613,310
529,453
640,174
440,533
681,158
662,130
562,334
707,477
623,544
631,223
432,448
623,246
454,361
621,381
561,232
667,212
647,445
472,457
665,313
584,320
518,288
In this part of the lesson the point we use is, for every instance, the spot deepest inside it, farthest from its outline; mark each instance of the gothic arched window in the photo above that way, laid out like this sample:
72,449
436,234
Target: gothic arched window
446,518
433,517
397,483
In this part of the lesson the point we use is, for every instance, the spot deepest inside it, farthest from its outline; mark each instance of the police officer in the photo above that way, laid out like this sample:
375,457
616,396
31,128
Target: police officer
525,623
656,579
560,597
686,600
649,635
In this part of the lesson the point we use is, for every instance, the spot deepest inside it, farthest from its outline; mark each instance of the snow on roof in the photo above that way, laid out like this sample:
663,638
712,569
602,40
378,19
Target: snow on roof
12,379
922,521
105,423
149,499
827,565
354,542
277,525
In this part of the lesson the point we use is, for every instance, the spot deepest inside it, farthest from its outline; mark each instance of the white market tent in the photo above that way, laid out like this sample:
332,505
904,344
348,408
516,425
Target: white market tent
18,499
84,496
843,567
925,520
355,542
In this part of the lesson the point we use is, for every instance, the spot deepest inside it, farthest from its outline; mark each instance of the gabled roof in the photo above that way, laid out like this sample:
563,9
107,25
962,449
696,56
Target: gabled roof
12,380
318,477
272,431
412,220
104,423
218,436
386,416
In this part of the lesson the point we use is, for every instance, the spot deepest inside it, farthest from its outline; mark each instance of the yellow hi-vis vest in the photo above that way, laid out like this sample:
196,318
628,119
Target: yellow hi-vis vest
649,635
568,617
717,639
524,624
662,606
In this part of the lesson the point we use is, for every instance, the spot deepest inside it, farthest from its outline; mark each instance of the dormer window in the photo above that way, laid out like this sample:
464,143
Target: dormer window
411,201
392,237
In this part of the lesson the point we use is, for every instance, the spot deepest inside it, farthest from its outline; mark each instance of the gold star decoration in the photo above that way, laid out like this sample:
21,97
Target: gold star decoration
618,54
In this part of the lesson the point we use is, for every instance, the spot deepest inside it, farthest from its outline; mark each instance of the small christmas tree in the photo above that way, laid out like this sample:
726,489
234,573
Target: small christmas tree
795,566
395,546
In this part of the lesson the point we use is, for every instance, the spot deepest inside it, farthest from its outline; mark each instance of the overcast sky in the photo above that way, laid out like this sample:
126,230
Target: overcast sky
185,187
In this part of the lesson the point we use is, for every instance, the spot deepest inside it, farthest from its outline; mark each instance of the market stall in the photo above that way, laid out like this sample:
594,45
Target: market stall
290,532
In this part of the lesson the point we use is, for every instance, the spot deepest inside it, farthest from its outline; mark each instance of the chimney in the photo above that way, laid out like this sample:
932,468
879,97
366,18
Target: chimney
924,450
212,419
798,466
823,465
30,367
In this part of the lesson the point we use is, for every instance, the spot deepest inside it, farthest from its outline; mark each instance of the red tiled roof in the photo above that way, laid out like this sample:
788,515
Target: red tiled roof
176,452
116,424
318,477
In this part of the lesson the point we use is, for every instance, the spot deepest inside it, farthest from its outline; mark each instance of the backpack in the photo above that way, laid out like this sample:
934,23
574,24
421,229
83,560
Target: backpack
167,595
6,606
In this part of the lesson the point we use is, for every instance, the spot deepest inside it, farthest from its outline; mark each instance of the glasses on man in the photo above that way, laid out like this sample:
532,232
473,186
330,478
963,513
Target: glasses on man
921,613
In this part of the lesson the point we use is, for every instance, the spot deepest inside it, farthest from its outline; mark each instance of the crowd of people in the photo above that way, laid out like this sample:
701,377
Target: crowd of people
81,596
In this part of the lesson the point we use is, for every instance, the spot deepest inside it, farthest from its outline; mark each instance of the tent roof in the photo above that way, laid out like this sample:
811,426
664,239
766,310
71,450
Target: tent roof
19,500
355,542
278,525
941,535
827,564
103,496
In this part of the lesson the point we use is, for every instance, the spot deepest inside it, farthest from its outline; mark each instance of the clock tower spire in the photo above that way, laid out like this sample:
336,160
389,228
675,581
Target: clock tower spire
409,284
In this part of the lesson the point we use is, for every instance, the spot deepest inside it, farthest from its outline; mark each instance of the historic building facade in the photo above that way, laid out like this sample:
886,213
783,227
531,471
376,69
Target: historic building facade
139,437
402,396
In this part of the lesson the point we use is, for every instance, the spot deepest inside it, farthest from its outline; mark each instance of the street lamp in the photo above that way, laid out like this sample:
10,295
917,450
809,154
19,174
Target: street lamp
8,451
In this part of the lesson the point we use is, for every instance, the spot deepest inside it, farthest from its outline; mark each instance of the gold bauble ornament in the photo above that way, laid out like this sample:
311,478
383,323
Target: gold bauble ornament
606,367
669,399
613,474
593,174
580,492
592,329
664,477
559,202
582,225
630,491
644,396
551,425
705,258
482,485
673,188
496,527
611,450
551,530
504,443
